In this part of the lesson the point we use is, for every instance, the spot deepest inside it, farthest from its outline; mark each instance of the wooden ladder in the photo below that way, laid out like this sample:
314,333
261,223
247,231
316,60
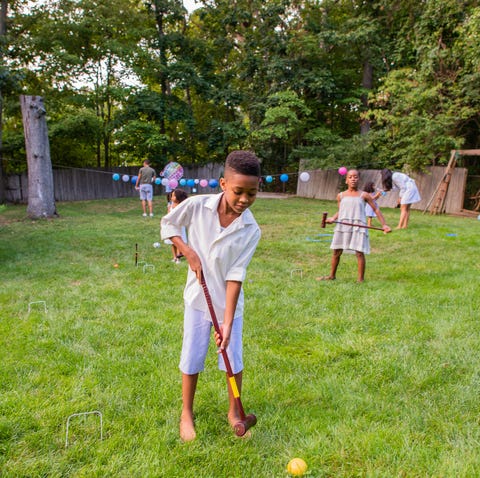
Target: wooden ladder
437,203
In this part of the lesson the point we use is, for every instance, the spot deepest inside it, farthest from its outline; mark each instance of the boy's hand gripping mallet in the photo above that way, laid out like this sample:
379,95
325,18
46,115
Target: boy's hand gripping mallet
324,222
246,421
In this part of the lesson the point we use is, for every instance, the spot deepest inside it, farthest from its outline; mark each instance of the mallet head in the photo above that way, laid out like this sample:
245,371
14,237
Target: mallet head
243,426
324,219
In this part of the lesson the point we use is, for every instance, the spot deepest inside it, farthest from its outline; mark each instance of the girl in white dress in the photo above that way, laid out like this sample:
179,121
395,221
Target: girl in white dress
408,193
351,209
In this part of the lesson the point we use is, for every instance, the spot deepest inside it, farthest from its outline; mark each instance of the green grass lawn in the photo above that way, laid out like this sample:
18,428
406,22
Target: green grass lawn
380,379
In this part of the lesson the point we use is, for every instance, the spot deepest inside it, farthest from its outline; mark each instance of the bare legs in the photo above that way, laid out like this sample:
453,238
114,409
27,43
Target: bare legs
189,386
175,252
334,264
337,253
404,216
150,207
187,427
233,413
361,266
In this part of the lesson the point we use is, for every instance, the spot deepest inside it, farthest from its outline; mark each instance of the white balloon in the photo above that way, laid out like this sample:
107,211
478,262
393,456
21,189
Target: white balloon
304,177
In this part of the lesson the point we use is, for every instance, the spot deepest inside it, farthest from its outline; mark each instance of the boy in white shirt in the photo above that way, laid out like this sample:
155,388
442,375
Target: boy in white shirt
222,238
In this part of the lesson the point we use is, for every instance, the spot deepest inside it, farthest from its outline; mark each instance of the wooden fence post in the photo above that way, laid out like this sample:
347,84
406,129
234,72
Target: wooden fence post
41,199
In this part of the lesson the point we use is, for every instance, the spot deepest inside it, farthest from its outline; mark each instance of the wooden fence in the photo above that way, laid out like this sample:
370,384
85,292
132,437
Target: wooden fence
72,184
81,184
327,184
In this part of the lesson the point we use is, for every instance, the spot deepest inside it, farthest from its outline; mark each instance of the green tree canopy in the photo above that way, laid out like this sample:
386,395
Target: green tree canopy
365,83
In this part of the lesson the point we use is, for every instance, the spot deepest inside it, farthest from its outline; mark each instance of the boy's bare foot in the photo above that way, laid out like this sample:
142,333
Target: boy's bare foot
187,428
325,278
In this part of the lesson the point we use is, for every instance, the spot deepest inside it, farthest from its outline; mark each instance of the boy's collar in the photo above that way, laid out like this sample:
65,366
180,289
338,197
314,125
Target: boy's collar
213,201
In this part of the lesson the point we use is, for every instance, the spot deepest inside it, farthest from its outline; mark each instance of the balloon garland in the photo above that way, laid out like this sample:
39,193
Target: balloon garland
172,177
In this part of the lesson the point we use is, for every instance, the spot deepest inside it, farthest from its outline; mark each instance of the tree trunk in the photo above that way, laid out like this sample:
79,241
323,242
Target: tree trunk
41,200
3,32
2,173
367,83
3,17
159,17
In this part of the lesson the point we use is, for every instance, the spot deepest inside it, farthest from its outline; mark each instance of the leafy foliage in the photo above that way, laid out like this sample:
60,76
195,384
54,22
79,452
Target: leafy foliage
365,83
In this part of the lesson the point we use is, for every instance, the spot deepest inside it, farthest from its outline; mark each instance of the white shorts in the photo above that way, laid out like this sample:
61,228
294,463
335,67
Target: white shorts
196,338
146,192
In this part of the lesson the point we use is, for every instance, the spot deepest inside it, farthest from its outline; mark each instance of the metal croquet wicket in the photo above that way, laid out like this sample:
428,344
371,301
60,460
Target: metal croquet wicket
37,302
298,272
94,412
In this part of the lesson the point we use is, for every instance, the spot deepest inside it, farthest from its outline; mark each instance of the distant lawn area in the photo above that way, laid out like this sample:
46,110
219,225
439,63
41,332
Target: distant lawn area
380,379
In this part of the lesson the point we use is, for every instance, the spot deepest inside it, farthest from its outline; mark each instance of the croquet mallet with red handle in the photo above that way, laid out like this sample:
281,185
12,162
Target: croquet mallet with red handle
324,222
246,421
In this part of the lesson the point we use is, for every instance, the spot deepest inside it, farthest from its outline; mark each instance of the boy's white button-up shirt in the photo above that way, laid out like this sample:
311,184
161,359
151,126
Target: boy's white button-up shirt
224,253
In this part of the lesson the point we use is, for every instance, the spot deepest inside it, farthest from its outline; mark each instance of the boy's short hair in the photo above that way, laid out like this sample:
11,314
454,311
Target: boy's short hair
243,162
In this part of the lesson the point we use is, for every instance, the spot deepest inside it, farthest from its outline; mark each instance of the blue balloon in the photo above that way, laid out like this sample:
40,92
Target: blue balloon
158,181
284,178
268,179
116,177
134,179
182,182
191,183
213,183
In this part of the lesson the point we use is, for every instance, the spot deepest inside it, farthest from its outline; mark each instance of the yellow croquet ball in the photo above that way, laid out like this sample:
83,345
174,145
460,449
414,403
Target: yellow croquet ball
297,467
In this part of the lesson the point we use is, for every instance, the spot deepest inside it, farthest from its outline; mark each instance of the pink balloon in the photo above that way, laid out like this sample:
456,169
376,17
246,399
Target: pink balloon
173,183
203,183
342,170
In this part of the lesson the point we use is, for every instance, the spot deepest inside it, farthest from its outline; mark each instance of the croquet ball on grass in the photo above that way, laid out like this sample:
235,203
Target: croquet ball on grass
296,467
115,265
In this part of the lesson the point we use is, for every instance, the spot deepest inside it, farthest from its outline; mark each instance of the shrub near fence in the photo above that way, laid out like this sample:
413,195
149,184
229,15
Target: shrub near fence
75,184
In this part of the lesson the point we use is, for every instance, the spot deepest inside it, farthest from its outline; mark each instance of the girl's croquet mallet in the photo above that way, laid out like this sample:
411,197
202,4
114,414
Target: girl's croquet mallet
246,421
324,222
